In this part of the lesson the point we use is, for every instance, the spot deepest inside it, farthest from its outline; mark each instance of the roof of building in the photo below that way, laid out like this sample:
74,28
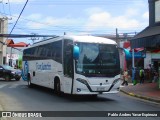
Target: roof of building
149,31
148,38
10,43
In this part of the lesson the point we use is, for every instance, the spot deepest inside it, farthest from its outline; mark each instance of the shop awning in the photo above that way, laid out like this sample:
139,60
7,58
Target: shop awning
137,49
127,45
140,54
148,38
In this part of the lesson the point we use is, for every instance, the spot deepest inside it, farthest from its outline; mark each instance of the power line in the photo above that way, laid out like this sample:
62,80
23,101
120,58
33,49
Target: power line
9,7
61,28
84,2
3,6
19,16
15,25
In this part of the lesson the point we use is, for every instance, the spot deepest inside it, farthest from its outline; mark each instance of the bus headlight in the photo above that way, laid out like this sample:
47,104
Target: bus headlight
115,81
82,81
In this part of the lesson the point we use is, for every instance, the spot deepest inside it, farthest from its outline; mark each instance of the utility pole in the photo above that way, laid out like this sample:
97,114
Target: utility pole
10,60
133,65
117,39
34,38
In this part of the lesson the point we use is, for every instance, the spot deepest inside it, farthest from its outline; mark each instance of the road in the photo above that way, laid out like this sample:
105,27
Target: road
16,96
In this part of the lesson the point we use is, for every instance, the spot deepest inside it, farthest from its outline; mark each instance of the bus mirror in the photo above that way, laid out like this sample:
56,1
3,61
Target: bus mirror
76,52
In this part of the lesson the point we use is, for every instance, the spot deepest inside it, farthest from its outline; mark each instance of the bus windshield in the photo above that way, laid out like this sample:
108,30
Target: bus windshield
98,60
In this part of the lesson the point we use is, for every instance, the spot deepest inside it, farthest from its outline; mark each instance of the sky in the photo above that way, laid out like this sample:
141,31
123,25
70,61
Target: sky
78,17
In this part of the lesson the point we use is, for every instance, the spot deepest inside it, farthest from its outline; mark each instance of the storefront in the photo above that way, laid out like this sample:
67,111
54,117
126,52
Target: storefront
149,38
139,55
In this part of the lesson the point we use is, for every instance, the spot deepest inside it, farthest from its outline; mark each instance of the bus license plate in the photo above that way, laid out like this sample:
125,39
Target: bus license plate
100,88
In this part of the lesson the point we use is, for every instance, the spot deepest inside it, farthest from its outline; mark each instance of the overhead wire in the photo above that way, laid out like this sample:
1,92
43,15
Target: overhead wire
3,6
84,2
9,5
63,28
45,23
49,24
19,16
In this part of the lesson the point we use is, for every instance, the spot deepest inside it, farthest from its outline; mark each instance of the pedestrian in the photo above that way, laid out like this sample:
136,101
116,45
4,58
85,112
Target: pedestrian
155,78
151,72
141,75
125,76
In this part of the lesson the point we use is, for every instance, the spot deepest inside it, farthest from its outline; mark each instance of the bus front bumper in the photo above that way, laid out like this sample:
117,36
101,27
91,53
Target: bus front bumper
85,88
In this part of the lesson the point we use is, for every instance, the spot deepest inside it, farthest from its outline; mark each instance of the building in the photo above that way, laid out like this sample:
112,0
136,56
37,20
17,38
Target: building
126,56
14,53
3,30
149,38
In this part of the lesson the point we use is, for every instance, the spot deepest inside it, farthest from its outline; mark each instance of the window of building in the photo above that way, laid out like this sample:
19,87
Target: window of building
157,11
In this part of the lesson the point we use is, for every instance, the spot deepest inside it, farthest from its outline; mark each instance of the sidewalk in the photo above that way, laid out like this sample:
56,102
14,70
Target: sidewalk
147,91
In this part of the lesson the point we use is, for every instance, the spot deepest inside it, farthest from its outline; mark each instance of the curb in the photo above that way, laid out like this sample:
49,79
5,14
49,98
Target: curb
141,97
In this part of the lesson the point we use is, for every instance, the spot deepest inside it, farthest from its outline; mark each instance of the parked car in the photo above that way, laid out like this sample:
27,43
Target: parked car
8,73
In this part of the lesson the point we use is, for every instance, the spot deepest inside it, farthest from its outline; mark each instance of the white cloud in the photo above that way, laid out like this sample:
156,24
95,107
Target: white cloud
14,1
17,1
130,19
33,25
146,15
36,16
90,11
40,21
96,19
106,20
131,12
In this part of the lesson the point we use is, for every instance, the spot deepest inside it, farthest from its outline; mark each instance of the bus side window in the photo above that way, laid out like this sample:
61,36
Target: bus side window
57,51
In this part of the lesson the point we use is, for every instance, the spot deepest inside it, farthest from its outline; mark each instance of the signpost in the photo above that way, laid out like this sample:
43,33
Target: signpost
133,68
159,77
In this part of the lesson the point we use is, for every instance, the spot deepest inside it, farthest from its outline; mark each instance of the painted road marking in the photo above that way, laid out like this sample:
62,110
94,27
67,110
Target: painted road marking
14,86
3,85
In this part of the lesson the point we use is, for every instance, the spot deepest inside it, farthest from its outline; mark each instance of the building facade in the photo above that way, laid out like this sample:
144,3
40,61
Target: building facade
149,38
14,53
3,30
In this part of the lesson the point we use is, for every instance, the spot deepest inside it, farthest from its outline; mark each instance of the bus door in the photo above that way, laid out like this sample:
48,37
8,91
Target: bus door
68,66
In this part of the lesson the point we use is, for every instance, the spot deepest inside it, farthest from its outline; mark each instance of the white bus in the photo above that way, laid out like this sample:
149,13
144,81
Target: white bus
83,65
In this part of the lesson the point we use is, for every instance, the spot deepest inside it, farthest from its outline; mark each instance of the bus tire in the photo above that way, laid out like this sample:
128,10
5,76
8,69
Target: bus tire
57,87
29,81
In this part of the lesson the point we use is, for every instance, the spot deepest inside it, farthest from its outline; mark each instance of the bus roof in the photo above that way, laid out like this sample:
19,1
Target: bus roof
91,39
87,39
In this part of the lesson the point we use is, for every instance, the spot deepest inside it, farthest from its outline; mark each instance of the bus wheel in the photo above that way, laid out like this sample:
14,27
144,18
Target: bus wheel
57,87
